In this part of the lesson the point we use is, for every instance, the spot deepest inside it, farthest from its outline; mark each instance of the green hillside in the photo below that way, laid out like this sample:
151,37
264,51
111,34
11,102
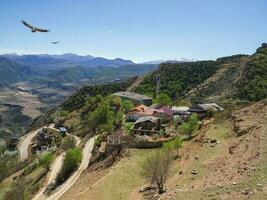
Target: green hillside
253,84
239,77
177,78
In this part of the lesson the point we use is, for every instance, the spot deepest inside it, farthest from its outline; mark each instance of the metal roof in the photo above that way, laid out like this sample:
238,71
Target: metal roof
148,118
207,106
63,129
180,108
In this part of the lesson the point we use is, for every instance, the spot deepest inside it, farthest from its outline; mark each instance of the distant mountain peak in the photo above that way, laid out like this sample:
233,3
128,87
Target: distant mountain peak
175,60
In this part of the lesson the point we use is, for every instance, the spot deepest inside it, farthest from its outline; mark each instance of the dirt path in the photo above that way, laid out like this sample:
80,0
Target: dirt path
73,178
24,144
138,81
54,170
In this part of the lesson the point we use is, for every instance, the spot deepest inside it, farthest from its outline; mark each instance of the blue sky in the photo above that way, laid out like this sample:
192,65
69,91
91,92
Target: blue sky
140,30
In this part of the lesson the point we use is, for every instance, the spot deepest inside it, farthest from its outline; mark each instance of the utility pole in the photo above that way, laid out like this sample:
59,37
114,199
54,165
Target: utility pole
157,84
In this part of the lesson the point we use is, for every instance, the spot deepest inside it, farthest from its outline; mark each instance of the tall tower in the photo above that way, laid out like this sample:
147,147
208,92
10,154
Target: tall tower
157,84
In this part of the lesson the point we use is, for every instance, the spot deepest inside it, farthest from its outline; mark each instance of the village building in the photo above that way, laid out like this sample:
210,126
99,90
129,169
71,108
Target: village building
146,126
137,99
164,113
203,108
63,131
180,110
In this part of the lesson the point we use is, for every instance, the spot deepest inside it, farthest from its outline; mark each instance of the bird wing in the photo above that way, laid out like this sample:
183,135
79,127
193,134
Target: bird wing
41,30
27,24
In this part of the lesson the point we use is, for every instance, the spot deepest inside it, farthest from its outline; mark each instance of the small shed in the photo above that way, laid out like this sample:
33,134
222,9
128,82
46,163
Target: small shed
63,131
147,126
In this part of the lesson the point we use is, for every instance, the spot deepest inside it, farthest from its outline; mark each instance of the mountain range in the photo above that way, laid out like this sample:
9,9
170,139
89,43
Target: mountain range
66,60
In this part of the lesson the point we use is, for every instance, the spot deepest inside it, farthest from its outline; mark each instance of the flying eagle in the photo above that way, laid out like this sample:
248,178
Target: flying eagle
33,28
56,42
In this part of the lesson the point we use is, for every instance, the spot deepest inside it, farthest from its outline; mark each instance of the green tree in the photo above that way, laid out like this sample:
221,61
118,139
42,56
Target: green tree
127,105
177,144
101,116
163,99
190,126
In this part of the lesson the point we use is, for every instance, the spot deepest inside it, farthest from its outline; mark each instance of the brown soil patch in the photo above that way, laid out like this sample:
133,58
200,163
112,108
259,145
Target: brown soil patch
234,164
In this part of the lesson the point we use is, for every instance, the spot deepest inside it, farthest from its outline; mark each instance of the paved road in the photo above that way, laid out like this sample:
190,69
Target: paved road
87,152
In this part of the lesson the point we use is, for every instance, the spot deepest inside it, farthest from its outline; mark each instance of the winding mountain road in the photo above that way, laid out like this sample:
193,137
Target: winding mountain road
51,176
56,166
24,144
87,152
54,170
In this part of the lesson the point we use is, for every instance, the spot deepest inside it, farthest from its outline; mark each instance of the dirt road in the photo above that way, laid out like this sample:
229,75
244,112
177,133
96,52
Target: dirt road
54,170
73,178
51,177
24,144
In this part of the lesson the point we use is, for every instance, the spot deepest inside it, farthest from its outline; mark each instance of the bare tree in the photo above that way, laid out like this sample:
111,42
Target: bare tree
156,168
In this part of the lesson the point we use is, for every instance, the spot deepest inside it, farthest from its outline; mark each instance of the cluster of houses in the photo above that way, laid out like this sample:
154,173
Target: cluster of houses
148,119
45,139
148,122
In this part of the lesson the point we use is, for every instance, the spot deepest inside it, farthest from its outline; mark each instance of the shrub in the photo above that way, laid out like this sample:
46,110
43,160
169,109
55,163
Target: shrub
190,126
127,105
17,191
46,160
156,168
70,164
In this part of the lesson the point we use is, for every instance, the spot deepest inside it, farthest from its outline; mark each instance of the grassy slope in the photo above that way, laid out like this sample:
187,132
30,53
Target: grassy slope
30,178
119,182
